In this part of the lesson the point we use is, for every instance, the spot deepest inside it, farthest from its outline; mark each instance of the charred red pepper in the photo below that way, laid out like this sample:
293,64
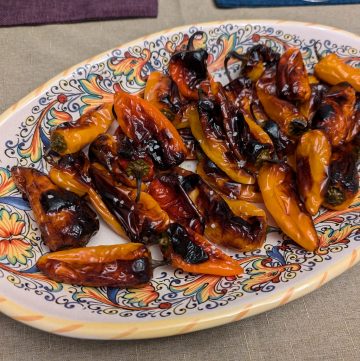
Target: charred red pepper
191,252
121,265
187,69
225,222
292,80
128,163
64,219
168,191
335,115
143,123
142,220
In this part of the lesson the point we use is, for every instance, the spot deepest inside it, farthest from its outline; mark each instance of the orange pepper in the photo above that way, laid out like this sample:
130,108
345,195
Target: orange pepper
278,188
191,252
333,70
64,219
158,92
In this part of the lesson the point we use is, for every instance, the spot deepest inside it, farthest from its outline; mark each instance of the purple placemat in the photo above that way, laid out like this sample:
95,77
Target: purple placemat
31,12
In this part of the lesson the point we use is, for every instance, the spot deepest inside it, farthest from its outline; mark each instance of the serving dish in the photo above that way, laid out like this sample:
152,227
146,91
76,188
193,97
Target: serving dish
174,302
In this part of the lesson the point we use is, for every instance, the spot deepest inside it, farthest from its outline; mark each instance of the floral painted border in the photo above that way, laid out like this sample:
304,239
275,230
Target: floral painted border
170,293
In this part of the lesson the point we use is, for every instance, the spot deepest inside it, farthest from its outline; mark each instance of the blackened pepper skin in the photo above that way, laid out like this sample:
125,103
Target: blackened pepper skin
64,219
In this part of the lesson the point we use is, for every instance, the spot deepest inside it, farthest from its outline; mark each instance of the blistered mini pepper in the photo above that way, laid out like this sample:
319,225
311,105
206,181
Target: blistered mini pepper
71,137
64,219
121,265
213,143
191,252
313,155
284,113
144,123
292,80
333,70
71,172
335,115
217,179
141,218
343,178
278,188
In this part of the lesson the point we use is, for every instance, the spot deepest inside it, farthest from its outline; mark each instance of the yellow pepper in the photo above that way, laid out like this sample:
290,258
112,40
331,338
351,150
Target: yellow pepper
333,70
313,155
278,188
71,137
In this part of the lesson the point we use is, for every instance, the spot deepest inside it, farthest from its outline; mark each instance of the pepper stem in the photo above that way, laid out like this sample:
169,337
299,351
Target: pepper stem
230,55
138,169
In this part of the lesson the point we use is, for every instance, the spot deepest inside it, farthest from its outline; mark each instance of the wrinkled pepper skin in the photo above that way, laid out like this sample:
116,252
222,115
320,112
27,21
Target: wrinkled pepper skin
71,172
168,191
121,265
143,123
218,180
190,143
191,252
207,130
343,178
158,92
309,107
126,162
224,224
64,219
292,80
284,145
313,154
181,120
71,137
278,188
333,70
187,69
142,219
335,115
245,137
255,61
284,113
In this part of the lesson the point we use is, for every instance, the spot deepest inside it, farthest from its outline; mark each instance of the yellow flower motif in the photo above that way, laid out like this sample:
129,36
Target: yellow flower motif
142,296
14,248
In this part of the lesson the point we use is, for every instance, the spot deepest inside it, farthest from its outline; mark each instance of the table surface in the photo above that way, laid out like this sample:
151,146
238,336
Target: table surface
321,326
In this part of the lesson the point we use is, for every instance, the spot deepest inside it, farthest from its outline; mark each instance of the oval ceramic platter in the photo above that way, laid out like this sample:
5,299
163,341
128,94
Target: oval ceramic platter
174,302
